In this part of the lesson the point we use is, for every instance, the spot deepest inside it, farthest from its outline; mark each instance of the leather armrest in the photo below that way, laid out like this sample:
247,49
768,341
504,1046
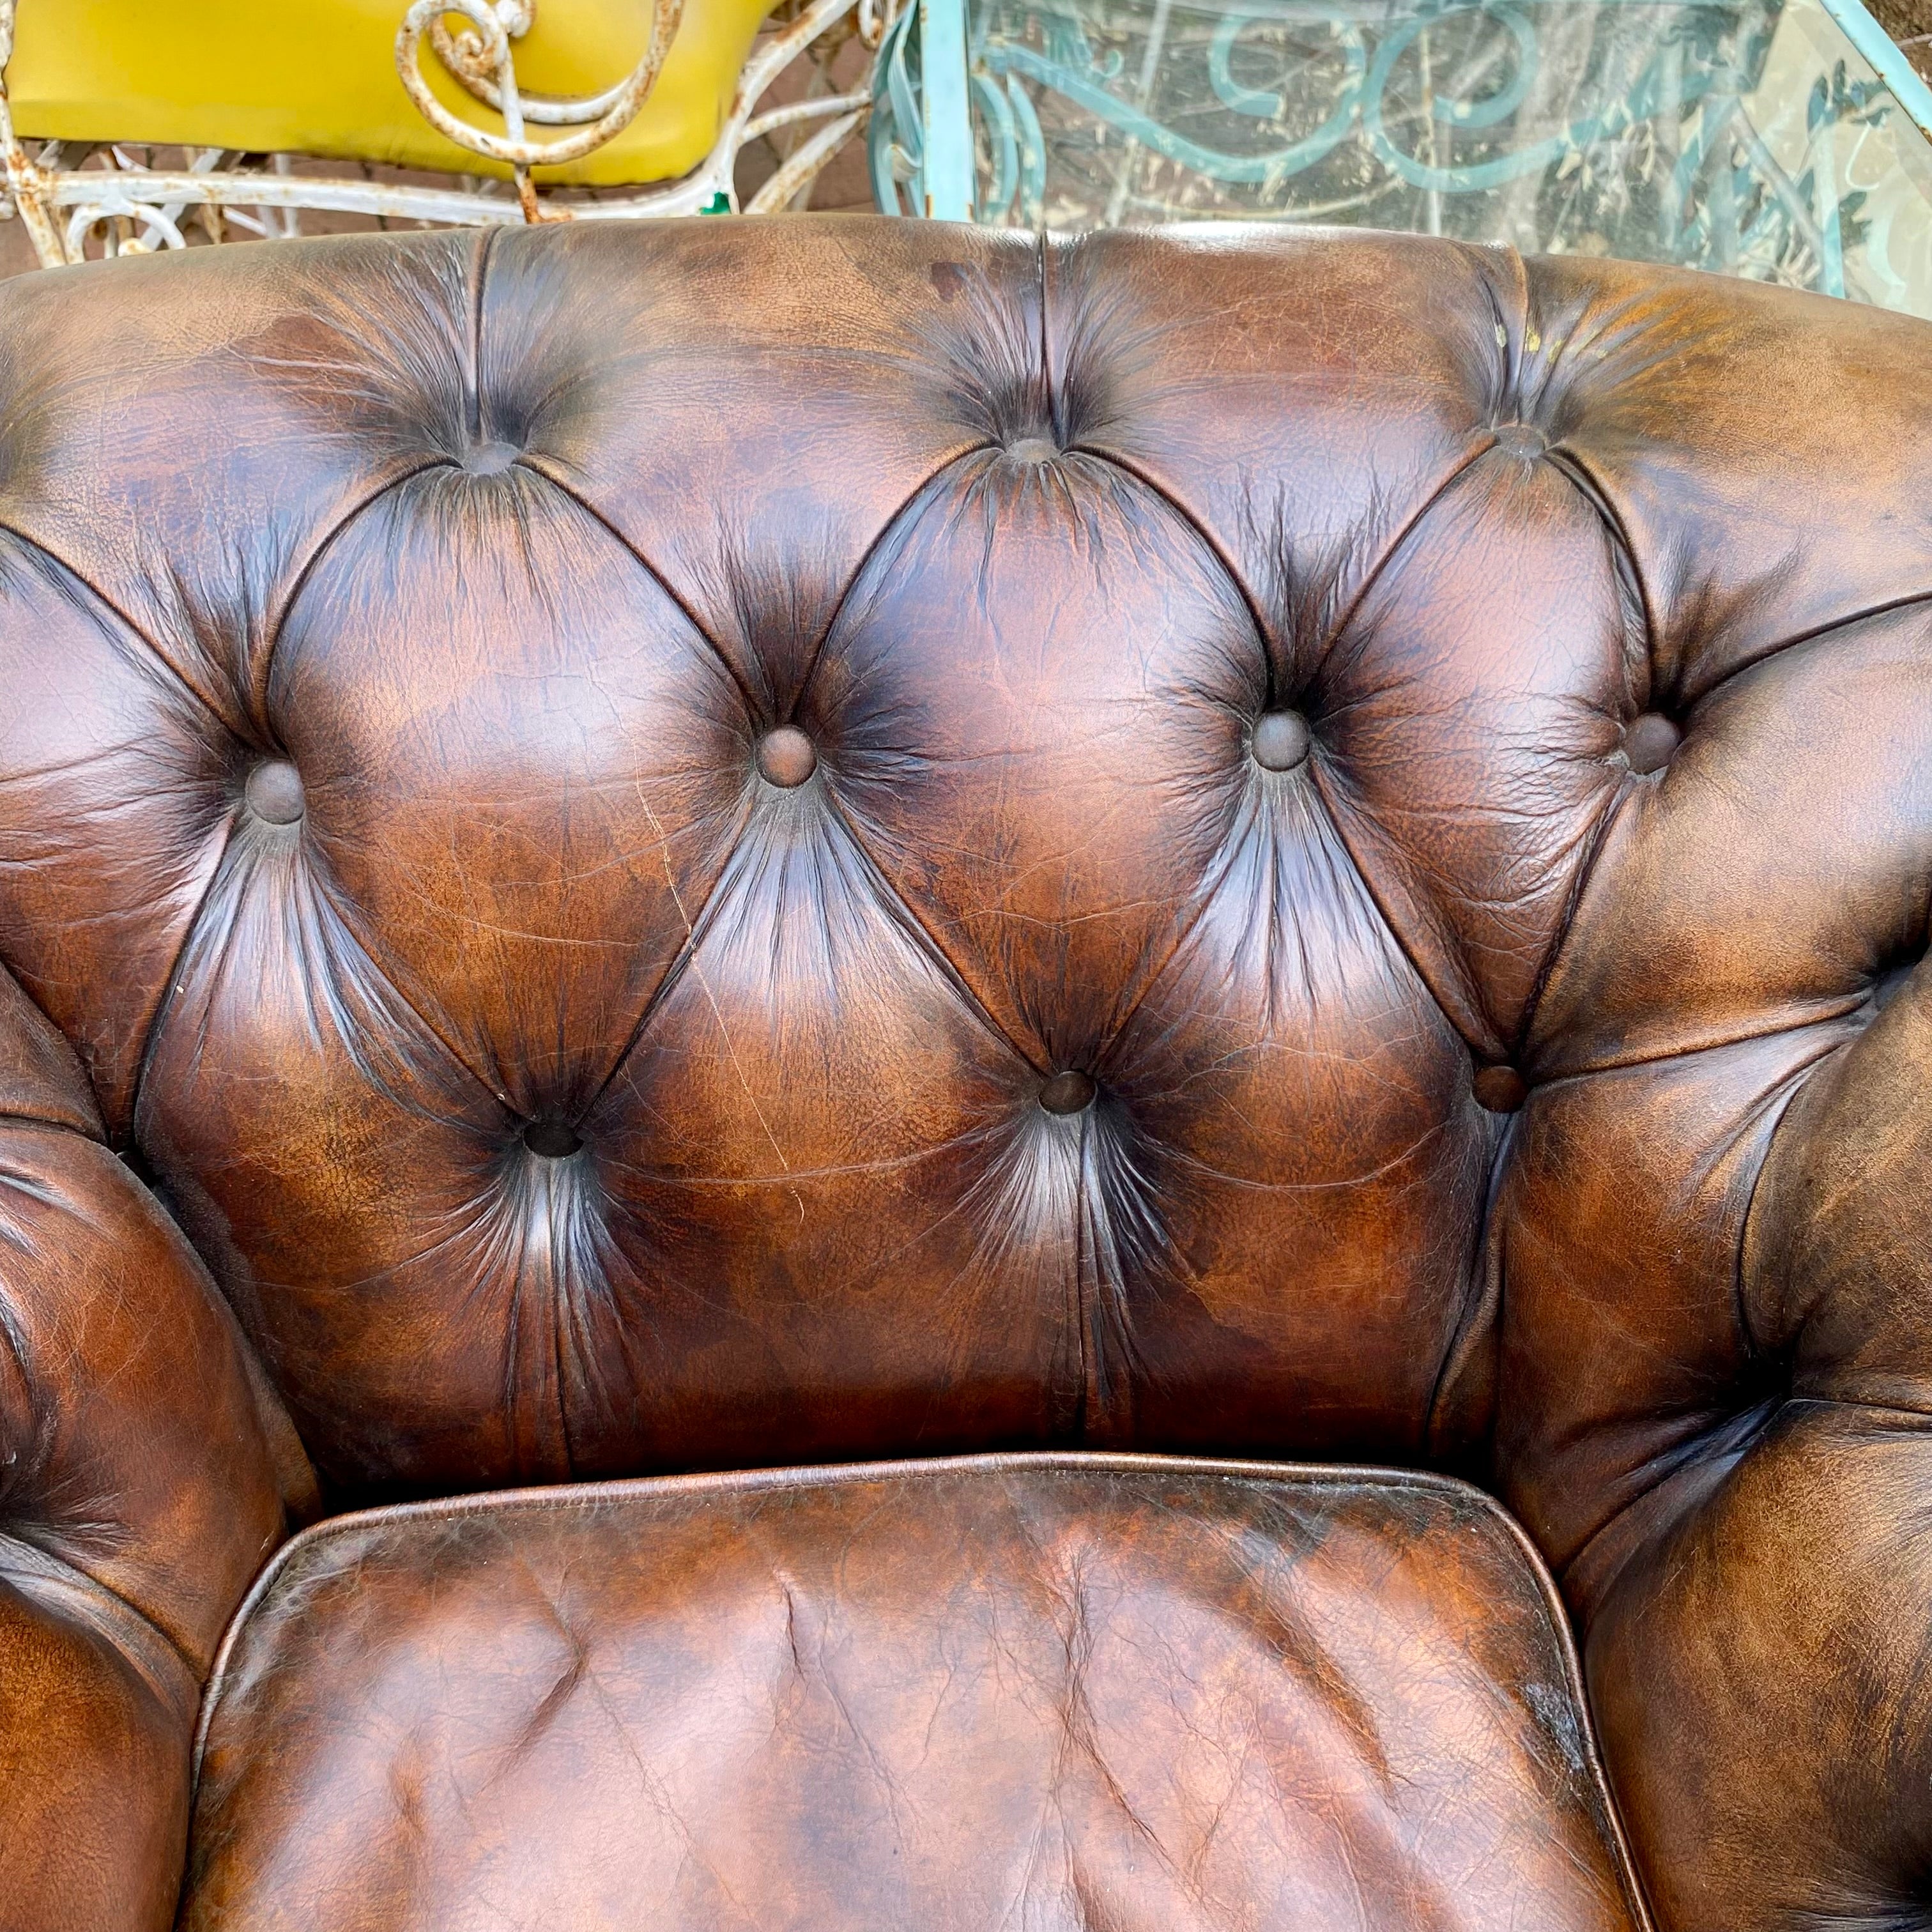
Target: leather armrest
138,1498
1761,1664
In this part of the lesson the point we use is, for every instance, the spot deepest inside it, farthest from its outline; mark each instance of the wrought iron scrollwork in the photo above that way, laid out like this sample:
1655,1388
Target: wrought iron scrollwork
481,57
1630,126
112,199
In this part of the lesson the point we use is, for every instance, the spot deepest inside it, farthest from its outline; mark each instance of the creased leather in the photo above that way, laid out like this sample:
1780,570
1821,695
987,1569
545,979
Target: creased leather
137,1499
1519,1069
1071,1693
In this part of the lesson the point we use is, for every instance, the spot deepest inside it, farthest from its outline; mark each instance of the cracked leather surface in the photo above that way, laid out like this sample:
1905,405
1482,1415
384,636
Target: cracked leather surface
1079,1695
727,845
138,1497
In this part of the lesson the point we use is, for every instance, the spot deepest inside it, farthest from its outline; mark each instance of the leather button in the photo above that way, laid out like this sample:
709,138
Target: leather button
786,757
551,1139
1067,1093
1520,440
490,459
1502,1090
275,792
1650,742
1281,740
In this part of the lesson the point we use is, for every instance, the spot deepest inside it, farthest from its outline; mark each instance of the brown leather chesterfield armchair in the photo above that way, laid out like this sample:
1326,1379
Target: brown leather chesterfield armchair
951,1042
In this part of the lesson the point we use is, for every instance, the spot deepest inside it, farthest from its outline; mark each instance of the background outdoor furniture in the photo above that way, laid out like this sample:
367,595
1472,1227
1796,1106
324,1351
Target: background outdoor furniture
120,120
1785,140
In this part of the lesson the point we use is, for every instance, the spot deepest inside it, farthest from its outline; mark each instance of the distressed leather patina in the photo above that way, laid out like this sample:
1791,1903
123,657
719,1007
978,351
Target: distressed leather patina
954,1041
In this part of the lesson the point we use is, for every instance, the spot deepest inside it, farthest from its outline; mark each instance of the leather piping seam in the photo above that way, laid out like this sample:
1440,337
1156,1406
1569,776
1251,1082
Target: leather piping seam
1794,1083
1464,1332
545,466
1829,627
1593,1069
1122,1466
63,1576
401,472
906,511
161,658
11,1116
1573,1664
479,269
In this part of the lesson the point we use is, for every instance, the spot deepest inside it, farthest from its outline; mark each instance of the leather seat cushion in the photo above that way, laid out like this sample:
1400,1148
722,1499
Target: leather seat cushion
1042,1692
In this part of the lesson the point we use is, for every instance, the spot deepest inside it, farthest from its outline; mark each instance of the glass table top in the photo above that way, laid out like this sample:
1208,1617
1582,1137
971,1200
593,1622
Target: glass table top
1752,137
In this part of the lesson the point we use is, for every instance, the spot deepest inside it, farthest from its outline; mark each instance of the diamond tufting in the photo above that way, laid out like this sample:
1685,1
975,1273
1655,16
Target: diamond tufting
703,847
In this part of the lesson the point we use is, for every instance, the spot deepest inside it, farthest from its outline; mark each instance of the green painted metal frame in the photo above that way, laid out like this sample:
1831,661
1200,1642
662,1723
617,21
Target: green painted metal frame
946,183
1885,59
923,136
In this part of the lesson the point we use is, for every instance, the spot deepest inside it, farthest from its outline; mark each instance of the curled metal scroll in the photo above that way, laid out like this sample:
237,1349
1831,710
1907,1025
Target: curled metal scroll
75,196
1446,101
480,58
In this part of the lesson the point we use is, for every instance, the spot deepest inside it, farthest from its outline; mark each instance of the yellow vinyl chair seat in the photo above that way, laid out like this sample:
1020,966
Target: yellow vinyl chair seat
319,77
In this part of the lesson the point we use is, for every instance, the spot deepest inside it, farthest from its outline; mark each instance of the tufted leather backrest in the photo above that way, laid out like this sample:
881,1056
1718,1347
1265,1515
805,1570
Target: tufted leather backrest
702,845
